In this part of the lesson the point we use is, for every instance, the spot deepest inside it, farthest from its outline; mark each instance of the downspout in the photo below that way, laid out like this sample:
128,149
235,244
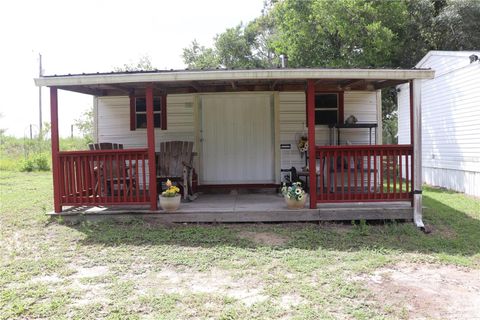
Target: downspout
417,154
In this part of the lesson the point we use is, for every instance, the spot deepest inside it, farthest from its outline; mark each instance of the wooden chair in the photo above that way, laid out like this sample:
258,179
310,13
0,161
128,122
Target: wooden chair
175,162
105,146
111,173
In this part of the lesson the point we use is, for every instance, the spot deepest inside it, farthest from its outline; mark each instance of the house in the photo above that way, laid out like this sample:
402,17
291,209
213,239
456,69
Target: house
245,125
450,120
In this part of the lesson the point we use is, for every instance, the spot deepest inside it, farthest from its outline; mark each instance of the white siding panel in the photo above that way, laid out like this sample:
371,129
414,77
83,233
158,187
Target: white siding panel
361,104
403,100
450,123
114,121
292,127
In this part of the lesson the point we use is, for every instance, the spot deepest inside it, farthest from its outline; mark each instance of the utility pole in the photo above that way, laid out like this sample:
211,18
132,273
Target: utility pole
40,73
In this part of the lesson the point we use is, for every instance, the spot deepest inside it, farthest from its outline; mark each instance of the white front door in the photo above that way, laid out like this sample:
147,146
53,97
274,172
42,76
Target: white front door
237,137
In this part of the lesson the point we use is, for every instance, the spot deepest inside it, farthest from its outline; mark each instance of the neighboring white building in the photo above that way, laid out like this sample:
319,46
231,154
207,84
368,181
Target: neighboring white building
450,120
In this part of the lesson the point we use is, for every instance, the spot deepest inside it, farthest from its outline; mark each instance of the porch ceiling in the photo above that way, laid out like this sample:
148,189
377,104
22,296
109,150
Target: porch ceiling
188,81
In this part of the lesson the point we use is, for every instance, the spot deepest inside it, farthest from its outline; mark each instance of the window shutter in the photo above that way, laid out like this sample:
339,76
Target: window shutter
132,113
164,112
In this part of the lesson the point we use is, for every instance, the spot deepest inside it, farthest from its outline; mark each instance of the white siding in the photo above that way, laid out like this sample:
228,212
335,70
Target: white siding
113,123
450,124
403,99
361,104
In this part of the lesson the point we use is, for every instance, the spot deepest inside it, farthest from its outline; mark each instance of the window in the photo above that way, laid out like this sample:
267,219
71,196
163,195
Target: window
141,112
326,108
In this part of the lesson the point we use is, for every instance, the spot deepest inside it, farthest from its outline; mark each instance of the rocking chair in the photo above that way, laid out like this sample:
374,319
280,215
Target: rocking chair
175,162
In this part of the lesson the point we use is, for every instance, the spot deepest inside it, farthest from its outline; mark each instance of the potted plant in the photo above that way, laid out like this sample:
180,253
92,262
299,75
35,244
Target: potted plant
295,196
170,198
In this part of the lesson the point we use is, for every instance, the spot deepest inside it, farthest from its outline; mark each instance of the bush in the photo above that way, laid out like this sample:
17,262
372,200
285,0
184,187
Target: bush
38,162
27,165
41,162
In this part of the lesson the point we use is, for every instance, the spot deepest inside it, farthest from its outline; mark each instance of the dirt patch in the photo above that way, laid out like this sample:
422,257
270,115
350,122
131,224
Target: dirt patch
427,291
248,290
264,238
95,271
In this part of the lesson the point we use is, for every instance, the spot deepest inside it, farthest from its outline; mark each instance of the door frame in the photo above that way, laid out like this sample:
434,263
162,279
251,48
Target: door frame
197,117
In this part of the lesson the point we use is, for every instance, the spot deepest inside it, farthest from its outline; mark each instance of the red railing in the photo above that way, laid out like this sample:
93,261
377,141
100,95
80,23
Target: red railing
103,177
364,173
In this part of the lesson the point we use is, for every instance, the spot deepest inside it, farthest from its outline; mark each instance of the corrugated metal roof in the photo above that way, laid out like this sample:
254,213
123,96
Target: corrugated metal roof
213,69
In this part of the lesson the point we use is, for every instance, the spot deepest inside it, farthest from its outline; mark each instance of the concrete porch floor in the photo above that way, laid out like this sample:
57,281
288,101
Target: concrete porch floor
244,207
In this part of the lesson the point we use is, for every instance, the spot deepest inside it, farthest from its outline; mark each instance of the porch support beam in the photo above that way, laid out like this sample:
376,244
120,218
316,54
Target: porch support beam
152,176
55,148
417,153
312,161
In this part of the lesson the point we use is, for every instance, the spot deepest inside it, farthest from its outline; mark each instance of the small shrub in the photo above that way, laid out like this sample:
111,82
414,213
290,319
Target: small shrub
38,162
41,162
27,165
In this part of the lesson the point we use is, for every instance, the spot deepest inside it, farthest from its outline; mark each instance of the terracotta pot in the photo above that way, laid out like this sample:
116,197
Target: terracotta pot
296,204
170,204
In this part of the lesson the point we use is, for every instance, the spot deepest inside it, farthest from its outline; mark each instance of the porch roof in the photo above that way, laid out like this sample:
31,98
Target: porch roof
229,80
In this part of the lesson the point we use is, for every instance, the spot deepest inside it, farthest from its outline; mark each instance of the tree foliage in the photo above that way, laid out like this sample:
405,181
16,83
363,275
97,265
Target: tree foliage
345,33
144,63
85,124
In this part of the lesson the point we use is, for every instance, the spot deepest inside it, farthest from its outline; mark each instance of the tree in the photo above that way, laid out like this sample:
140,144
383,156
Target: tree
346,33
85,124
199,57
457,26
244,46
144,63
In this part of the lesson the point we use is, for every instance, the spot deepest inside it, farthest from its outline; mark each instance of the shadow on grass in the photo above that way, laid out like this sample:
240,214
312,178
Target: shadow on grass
454,233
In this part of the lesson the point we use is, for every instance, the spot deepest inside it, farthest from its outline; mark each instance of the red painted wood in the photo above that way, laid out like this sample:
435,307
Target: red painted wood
55,148
81,182
349,181
375,156
369,186
311,142
359,160
152,168
164,112
407,177
322,177
395,172
400,173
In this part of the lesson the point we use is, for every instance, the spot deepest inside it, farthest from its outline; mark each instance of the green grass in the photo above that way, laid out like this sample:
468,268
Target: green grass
142,269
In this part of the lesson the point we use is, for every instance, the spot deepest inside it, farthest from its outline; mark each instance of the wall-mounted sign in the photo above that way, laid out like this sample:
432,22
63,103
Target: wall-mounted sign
285,146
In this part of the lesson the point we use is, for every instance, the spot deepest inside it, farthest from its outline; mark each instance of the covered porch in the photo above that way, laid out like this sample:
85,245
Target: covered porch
245,208
383,174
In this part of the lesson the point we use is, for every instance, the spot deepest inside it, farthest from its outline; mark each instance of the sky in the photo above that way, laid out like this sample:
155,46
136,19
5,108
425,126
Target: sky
96,36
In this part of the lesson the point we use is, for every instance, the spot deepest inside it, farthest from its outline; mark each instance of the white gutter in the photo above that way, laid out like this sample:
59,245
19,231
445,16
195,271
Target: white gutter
212,75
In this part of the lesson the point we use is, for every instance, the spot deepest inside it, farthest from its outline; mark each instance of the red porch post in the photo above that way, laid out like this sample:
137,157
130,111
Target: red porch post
151,149
312,161
55,148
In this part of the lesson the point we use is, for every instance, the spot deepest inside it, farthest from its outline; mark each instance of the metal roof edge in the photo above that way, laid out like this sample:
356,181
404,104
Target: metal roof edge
248,74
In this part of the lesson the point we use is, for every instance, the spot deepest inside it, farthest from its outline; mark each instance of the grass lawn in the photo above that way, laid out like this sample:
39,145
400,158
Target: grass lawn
254,271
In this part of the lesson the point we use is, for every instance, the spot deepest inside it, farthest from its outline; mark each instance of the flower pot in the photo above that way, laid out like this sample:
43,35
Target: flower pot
295,204
170,204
